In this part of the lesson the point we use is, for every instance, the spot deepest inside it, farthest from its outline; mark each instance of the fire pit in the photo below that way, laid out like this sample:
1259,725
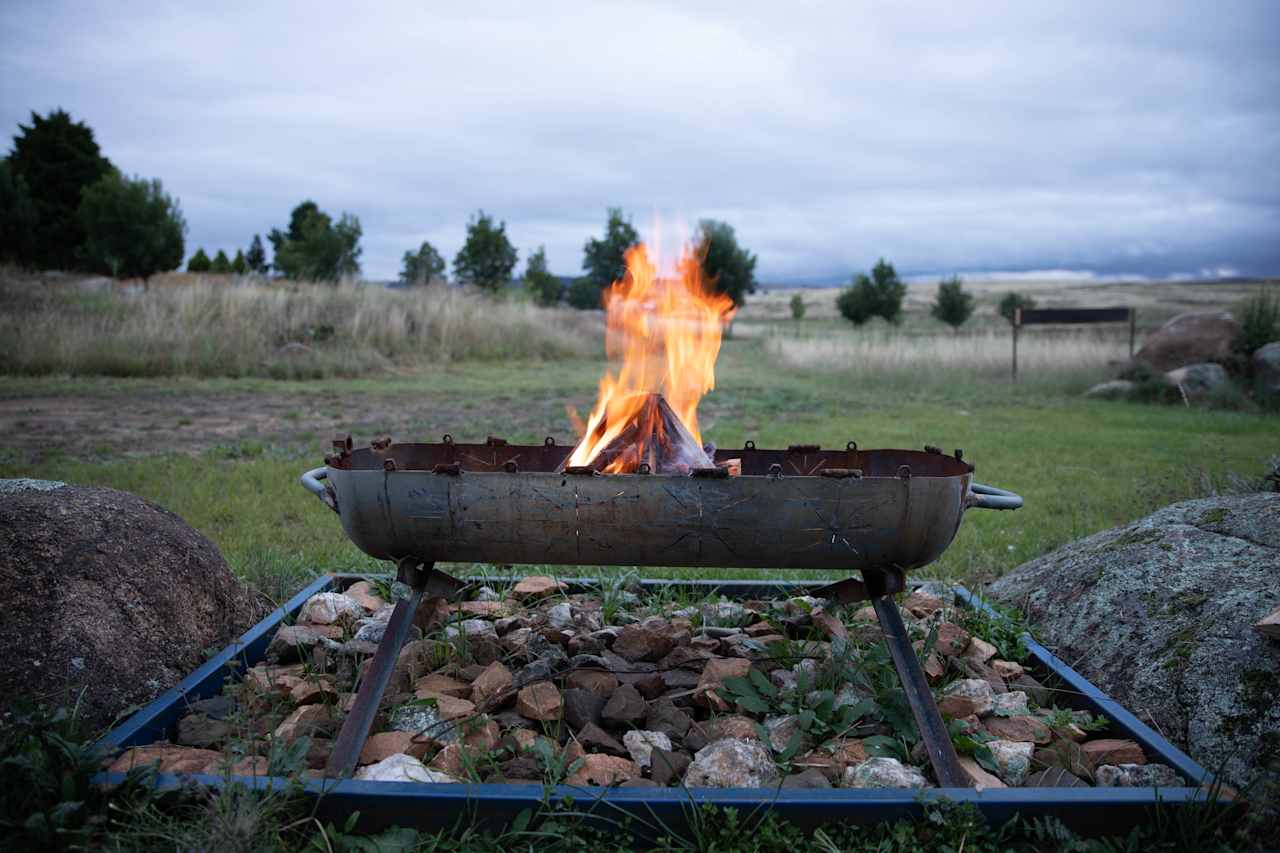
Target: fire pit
878,512
641,489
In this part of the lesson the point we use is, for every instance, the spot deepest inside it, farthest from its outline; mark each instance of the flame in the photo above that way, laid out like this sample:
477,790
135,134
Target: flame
666,330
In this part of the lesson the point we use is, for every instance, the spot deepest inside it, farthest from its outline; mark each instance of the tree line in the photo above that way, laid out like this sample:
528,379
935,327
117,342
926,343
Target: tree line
64,205
881,293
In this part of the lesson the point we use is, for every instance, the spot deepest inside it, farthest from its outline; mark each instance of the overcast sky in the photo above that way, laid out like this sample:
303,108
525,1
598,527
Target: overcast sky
1116,137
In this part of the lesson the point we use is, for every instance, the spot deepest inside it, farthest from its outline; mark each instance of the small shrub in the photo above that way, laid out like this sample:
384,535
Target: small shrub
584,295
1011,302
797,307
879,295
423,266
1259,322
544,287
953,305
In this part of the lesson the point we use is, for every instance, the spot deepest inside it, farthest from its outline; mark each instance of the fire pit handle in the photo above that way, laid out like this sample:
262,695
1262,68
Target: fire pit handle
989,497
310,481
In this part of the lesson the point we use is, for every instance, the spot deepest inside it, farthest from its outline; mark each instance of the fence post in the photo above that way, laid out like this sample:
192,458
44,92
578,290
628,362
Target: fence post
1017,321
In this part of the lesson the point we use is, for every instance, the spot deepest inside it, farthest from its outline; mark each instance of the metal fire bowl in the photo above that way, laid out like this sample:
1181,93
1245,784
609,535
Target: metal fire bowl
798,508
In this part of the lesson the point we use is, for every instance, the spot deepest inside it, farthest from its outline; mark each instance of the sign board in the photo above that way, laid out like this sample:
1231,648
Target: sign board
1064,316
1039,316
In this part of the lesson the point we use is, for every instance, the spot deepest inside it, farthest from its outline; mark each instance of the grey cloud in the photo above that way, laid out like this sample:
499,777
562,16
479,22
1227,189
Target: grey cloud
996,136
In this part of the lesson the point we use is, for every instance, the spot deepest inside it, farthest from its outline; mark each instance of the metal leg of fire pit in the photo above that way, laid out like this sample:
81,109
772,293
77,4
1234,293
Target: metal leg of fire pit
937,740
422,578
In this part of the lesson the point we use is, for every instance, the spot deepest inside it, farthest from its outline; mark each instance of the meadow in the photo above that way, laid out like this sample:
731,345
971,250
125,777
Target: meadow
119,392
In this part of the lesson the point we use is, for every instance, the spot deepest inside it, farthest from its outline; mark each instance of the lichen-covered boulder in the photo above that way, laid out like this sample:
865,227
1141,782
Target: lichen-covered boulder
110,600
1190,338
1198,379
1266,370
1159,615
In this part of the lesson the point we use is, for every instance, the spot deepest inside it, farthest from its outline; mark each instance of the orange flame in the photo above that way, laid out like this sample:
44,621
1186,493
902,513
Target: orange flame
667,332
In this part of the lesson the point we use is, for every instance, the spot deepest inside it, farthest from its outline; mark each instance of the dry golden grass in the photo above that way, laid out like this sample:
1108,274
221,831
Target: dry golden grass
987,352
227,326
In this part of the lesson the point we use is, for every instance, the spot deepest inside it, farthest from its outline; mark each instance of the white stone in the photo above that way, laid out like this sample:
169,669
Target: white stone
641,745
423,718
976,689
402,768
1011,704
724,614
327,608
471,628
882,772
1013,759
732,763
1137,776
486,593
561,615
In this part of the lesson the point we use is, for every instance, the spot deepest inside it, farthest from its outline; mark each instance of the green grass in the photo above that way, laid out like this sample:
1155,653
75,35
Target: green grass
1083,466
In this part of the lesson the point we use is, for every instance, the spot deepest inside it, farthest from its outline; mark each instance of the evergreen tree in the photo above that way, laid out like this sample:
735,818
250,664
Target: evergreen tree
544,286
132,227
880,295
315,247
953,305
423,266
239,265
57,158
221,263
604,260
18,219
256,257
731,268
487,258
199,262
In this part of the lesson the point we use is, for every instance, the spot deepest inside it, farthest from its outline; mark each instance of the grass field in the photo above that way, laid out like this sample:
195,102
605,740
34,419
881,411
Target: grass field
225,453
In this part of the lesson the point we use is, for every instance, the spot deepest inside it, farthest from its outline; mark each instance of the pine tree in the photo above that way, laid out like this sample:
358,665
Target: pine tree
199,262
221,264
256,257
57,158
239,265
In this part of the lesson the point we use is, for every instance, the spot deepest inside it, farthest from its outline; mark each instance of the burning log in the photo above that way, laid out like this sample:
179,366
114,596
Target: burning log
652,434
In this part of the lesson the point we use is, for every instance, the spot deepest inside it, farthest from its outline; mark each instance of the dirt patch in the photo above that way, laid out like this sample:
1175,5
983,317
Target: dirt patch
119,423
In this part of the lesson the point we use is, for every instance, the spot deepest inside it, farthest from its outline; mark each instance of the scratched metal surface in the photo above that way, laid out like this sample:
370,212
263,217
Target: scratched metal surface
482,513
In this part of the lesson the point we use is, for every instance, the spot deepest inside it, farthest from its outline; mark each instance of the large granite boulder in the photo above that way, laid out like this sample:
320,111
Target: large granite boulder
110,600
1159,615
1266,370
1191,338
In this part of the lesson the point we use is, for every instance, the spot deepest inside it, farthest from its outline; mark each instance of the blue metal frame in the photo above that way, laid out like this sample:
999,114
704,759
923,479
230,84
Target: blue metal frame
383,804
